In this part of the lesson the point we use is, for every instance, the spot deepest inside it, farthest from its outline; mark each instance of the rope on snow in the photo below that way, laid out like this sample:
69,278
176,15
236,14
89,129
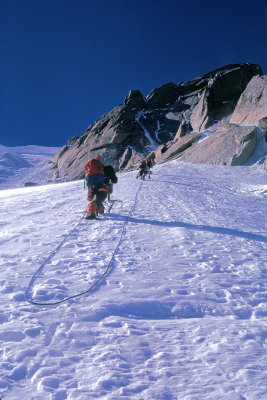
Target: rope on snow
28,297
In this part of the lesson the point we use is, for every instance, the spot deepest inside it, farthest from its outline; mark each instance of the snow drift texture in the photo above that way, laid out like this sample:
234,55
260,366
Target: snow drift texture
181,312
24,164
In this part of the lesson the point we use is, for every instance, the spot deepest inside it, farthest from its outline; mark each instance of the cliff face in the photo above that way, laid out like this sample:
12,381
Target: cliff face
170,120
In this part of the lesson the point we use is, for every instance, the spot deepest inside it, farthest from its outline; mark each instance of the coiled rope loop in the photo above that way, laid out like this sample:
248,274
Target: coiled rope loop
27,295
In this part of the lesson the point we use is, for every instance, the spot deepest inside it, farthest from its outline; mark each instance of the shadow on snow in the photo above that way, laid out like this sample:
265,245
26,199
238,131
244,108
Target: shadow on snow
204,228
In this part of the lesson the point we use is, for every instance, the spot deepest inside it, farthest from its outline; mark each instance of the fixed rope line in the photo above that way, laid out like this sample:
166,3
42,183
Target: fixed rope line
51,255
99,279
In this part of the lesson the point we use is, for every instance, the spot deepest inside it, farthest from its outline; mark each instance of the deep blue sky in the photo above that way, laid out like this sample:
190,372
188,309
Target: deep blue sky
65,63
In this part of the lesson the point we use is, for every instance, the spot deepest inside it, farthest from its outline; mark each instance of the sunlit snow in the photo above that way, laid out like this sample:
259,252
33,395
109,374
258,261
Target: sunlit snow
21,164
179,311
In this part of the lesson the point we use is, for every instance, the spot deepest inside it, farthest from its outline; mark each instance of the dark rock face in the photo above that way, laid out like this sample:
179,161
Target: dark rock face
220,96
160,97
167,123
135,99
29,184
263,125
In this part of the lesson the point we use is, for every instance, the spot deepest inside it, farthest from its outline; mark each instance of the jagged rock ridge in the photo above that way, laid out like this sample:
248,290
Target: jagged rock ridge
169,123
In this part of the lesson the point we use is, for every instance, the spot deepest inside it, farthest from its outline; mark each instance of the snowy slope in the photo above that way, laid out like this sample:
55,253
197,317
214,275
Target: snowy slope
181,311
22,164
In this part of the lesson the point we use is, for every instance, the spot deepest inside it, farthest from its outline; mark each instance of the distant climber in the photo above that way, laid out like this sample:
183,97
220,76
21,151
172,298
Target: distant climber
143,170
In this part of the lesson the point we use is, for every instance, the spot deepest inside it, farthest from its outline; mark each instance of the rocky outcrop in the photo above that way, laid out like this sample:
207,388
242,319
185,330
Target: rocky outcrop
129,160
252,105
29,184
232,146
170,151
135,99
220,96
167,122
264,164
183,130
73,140
105,139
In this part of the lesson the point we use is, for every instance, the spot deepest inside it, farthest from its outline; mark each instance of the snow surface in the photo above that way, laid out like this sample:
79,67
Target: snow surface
179,311
22,164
